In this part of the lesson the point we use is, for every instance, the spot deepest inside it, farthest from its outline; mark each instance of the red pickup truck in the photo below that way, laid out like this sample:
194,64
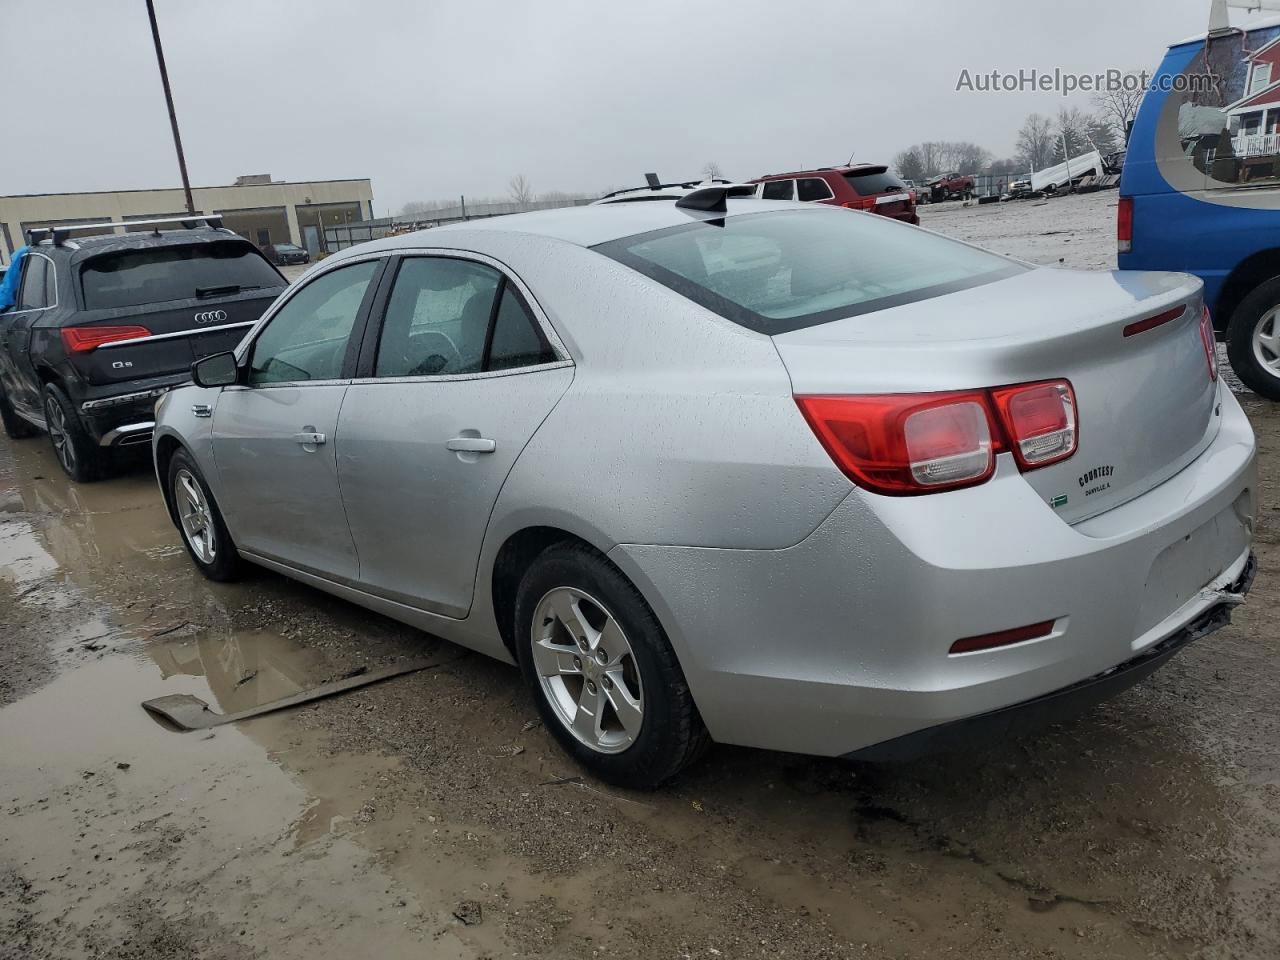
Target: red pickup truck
950,186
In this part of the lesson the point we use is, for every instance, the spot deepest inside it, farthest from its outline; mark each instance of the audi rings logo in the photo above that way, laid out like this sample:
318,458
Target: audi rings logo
211,316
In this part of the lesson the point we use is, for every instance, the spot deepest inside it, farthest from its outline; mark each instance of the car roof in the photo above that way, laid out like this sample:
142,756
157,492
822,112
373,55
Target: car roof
584,226
85,248
819,171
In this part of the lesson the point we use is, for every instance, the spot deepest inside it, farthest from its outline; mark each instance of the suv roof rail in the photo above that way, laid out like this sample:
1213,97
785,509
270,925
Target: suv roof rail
59,233
687,185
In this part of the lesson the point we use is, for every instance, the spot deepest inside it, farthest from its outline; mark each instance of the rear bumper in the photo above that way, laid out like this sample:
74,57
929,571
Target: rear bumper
1035,714
123,414
842,641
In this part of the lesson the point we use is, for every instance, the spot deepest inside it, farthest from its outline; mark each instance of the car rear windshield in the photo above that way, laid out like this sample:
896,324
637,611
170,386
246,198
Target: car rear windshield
781,271
134,277
873,182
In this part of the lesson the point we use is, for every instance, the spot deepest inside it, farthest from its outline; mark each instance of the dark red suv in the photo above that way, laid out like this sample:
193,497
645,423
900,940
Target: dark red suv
861,187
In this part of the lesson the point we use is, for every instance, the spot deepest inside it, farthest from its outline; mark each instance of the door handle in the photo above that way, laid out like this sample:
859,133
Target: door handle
472,445
309,438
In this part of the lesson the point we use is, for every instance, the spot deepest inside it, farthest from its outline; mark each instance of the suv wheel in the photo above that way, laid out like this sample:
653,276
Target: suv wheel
81,458
204,533
606,680
15,428
1253,340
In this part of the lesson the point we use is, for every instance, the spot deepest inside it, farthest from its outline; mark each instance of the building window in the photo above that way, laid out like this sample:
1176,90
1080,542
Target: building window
1261,77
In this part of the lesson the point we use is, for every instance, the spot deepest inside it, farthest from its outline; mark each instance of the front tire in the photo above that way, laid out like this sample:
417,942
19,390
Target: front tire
607,683
1253,340
79,455
204,533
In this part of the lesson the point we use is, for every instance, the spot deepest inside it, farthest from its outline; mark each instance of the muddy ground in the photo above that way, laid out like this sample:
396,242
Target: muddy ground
431,817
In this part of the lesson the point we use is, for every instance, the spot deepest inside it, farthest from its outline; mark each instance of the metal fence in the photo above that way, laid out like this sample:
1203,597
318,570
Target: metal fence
349,234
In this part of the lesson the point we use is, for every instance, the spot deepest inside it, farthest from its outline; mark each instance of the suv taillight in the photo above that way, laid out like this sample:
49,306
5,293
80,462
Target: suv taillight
1124,225
84,339
1210,341
866,203
906,445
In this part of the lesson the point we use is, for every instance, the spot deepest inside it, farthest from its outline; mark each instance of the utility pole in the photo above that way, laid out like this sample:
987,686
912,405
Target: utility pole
168,98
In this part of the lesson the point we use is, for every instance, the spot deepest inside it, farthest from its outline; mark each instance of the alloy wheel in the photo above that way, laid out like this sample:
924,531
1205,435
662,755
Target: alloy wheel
194,515
1266,341
57,424
587,670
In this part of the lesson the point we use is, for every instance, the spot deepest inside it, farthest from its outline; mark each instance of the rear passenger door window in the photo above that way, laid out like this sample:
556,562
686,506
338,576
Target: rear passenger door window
779,190
449,316
813,189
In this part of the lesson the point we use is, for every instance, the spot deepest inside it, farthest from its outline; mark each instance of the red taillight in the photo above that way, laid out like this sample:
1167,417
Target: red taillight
867,203
1210,342
84,339
905,445
1004,638
1040,421
1124,225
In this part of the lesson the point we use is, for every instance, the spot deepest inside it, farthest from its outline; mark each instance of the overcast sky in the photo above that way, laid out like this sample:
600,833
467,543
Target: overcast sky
435,98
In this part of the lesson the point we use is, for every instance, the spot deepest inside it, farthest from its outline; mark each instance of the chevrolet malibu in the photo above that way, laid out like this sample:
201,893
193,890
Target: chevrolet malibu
753,472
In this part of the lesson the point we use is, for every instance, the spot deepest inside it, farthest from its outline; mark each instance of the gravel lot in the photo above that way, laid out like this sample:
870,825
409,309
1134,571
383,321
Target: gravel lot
430,816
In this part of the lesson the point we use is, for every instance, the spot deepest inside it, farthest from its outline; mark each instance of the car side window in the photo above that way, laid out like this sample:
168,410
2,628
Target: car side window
778,190
812,189
307,338
33,295
437,318
516,340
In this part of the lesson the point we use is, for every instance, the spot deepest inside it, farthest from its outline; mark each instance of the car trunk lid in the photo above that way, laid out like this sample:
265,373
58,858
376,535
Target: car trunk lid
1146,405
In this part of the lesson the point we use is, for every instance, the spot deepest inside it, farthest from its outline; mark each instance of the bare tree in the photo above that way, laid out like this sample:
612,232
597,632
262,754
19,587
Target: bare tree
909,165
1100,133
968,157
1119,105
1035,142
520,190
712,171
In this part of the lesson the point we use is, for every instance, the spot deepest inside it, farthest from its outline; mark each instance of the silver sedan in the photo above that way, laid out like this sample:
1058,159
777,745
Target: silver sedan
772,474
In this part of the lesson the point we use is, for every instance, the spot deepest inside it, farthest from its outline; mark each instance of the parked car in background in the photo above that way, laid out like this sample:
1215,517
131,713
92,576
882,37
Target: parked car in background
865,186
284,254
951,186
103,324
728,469
1200,190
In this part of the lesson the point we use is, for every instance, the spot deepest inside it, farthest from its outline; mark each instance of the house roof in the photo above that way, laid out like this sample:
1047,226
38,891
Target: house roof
1266,97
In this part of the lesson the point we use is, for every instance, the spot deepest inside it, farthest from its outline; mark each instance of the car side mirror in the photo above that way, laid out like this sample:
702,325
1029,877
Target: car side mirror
218,370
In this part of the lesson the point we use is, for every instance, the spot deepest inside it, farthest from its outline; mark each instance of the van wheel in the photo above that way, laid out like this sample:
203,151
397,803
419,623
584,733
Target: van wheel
1253,340
15,428
81,458
606,680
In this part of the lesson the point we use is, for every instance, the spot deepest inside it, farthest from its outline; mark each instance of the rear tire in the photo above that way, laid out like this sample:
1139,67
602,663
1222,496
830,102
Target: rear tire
77,453
204,532
642,726
15,428
1253,340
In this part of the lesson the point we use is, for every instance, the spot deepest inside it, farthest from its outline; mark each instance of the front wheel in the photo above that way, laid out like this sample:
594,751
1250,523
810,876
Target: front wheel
1253,340
81,458
204,533
607,683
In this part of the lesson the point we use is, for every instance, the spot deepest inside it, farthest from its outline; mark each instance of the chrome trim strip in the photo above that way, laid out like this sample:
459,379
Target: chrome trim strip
127,432
123,398
177,333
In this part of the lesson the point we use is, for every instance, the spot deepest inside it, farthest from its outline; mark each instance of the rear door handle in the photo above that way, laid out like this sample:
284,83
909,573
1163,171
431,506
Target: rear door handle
308,438
472,445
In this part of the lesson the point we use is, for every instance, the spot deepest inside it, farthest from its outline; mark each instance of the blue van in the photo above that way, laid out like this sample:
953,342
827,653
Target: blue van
1201,187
